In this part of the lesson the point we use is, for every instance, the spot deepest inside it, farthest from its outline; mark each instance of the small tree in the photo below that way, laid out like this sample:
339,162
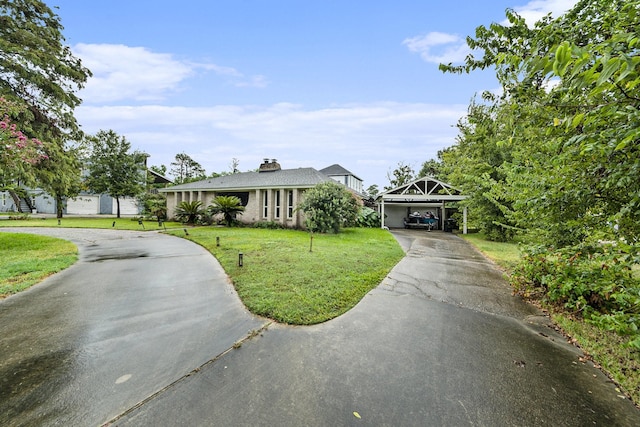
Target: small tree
328,207
113,169
228,206
189,212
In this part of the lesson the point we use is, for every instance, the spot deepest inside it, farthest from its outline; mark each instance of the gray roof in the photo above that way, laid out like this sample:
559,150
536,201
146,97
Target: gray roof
285,178
337,170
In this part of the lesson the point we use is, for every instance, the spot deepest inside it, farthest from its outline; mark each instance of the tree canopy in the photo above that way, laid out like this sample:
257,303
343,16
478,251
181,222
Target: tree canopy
113,169
37,68
555,157
328,207
184,169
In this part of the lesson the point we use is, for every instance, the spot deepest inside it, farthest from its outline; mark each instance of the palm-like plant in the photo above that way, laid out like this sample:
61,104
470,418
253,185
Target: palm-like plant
228,206
189,212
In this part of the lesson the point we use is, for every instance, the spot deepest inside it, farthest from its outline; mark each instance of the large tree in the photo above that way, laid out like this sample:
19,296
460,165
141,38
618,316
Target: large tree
184,169
401,175
567,130
38,70
113,169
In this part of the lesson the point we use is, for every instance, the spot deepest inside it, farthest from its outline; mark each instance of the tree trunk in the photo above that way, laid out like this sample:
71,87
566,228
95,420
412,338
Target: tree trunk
59,206
117,207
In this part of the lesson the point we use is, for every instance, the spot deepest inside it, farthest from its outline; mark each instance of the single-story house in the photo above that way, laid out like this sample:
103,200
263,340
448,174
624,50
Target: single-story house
419,198
269,194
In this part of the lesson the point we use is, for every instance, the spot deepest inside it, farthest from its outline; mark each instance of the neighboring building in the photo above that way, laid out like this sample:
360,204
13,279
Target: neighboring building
270,194
343,176
39,201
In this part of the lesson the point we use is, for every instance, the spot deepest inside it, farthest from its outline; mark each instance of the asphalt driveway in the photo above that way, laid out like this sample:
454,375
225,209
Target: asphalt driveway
441,341
136,313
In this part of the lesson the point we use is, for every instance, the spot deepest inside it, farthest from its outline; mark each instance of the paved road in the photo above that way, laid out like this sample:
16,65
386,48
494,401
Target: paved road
136,313
440,342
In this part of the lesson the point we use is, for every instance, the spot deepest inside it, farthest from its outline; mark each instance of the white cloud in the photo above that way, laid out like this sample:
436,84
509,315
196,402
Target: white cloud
123,72
537,9
443,48
437,47
135,73
368,139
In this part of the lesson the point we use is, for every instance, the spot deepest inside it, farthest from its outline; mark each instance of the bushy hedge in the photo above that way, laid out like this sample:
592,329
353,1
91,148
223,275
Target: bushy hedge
596,281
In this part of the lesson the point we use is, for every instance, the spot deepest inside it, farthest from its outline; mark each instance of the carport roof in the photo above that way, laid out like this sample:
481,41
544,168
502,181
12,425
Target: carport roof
425,189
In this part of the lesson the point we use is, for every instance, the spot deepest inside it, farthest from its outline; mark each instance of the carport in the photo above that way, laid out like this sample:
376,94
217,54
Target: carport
420,195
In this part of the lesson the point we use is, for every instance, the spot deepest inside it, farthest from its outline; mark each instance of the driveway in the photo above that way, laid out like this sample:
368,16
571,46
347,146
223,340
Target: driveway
441,341
136,313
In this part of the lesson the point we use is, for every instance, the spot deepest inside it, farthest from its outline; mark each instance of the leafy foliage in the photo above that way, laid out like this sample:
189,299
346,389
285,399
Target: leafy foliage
155,204
37,68
556,156
113,169
18,153
189,212
185,169
328,207
228,206
368,217
401,175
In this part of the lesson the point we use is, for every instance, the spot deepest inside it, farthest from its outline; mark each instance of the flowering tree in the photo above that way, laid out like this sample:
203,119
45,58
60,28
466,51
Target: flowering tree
18,153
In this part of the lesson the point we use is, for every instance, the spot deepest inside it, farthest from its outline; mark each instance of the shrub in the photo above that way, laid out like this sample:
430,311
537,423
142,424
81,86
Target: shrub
595,281
328,207
368,218
189,212
228,206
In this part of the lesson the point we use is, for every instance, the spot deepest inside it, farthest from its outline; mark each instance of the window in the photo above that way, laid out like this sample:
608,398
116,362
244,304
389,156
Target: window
290,204
265,204
4,199
277,204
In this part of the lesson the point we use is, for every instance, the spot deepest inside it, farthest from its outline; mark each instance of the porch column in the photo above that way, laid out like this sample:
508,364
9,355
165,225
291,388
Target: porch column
382,214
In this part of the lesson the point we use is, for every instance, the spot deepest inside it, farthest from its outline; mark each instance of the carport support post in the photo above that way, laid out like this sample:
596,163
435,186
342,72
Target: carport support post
464,220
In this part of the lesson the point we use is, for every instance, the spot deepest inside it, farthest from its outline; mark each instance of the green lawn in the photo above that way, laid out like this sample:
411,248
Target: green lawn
505,254
283,279
80,222
27,259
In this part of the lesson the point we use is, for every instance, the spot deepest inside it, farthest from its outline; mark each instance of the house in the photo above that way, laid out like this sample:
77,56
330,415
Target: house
343,176
86,203
268,194
420,198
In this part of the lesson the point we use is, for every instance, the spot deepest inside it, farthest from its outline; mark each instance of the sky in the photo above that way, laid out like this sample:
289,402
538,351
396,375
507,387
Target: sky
307,82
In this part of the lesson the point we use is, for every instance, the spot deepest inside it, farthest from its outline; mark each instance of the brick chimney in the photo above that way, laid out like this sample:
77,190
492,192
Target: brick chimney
269,166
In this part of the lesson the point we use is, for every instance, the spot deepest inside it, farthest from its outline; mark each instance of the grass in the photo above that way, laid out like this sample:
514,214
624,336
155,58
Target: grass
282,279
505,254
94,222
607,349
26,259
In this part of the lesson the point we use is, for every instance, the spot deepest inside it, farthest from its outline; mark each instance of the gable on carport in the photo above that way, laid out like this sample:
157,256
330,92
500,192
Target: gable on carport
425,192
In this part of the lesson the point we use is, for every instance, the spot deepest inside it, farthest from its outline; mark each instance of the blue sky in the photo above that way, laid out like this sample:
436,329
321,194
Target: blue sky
309,83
